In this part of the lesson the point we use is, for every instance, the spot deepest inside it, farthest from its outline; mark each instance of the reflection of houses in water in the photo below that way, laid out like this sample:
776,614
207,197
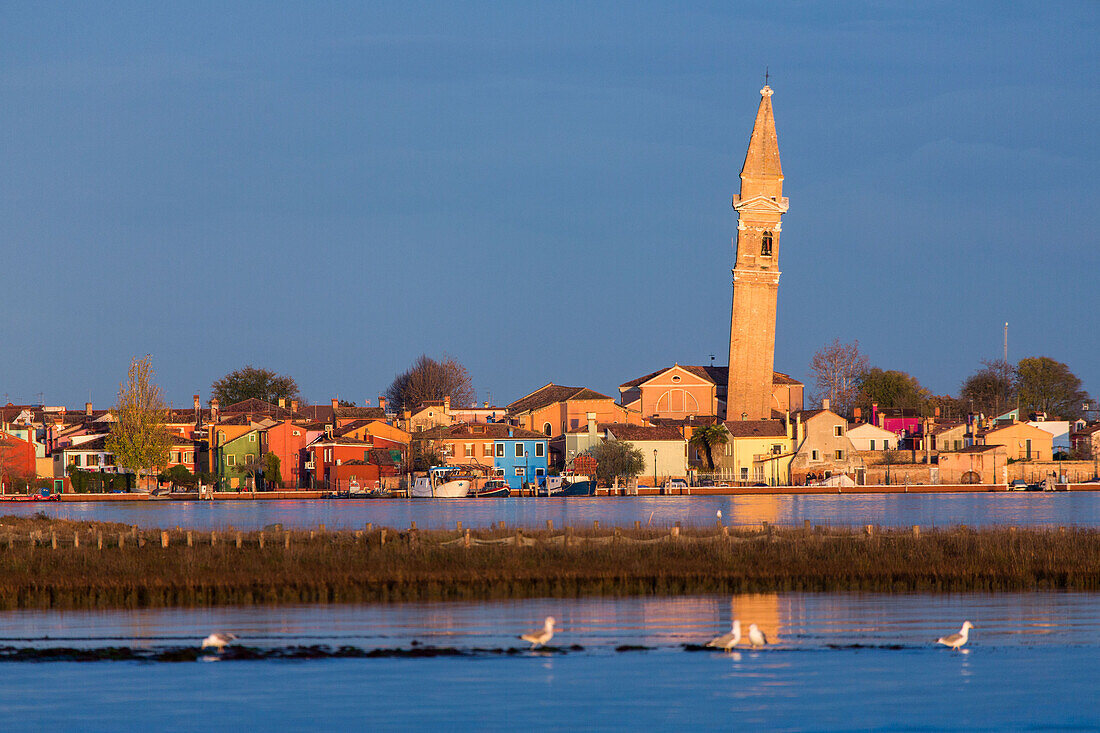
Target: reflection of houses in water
752,509
767,610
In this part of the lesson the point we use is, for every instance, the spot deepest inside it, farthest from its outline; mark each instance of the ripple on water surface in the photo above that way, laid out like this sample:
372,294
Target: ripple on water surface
891,510
839,661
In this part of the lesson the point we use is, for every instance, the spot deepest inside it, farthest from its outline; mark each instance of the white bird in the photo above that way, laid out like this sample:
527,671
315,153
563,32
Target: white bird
541,636
756,636
727,641
719,515
218,640
957,640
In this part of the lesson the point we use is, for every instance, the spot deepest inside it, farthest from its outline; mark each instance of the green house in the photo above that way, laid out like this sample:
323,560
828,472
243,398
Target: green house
238,460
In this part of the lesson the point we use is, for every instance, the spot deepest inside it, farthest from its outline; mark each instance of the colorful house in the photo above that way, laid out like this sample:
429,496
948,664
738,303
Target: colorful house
1022,442
522,456
823,448
238,462
756,452
288,441
868,437
555,409
685,391
17,460
664,449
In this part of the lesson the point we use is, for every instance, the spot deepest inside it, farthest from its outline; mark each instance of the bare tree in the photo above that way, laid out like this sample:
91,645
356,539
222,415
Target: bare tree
990,390
837,370
428,380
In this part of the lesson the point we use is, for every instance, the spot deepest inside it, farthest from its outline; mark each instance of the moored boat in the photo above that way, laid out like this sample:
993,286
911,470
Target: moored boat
568,485
442,482
495,488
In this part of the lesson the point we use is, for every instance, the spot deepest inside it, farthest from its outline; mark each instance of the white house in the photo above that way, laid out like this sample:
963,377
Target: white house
1059,429
664,448
866,436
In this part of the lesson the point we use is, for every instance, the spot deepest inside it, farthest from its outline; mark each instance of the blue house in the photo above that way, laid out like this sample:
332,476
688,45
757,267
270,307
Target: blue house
522,457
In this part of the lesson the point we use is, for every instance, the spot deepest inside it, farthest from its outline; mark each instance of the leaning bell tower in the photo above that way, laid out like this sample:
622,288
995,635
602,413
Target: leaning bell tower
760,206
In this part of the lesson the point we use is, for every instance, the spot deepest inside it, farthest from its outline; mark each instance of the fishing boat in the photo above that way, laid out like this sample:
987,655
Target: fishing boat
442,482
494,488
569,484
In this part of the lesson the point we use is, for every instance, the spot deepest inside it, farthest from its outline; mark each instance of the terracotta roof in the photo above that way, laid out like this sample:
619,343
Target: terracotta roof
362,413
944,427
622,431
978,449
714,374
686,422
98,445
552,393
479,431
756,428
807,414
257,407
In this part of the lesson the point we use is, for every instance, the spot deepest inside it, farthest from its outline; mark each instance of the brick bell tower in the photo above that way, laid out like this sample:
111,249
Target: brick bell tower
760,206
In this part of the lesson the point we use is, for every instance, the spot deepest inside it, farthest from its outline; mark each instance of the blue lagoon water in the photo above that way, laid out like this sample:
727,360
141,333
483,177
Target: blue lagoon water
839,661
1022,509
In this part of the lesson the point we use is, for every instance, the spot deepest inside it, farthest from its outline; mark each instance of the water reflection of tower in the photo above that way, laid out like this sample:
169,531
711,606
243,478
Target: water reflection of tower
766,610
754,509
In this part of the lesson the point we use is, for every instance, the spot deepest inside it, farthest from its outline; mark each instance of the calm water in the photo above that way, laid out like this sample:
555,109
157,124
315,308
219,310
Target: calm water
895,510
1031,663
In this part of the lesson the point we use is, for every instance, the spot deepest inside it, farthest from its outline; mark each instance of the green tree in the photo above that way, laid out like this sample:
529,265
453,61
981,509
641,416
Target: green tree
427,380
139,440
1046,385
616,459
271,470
991,390
890,389
180,476
706,438
253,383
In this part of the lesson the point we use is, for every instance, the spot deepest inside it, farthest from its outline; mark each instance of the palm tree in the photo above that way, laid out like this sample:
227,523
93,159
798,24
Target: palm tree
706,437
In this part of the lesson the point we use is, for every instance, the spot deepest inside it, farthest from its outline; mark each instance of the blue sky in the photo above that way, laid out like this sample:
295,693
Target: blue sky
540,190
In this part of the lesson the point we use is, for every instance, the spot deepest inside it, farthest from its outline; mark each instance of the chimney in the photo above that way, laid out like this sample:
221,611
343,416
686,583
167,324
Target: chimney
382,402
215,404
857,413
937,413
591,422
446,404
486,405
294,405
88,409
335,403
825,404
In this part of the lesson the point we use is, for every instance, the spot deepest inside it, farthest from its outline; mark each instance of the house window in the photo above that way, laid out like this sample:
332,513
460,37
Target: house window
487,450
500,450
744,473
519,450
958,445
813,455
872,443
366,456
519,470
766,241
249,459
189,457
758,473
296,433
76,460
251,437
839,455
676,378
540,450
546,428
838,430
540,472
231,460
469,450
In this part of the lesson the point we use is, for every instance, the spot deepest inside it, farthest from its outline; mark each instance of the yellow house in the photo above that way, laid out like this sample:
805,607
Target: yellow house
1023,442
361,429
758,452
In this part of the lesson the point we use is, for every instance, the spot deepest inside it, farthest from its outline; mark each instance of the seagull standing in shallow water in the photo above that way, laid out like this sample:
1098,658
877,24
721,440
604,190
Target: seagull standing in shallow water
957,640
756,636
218,640
727,641
541,636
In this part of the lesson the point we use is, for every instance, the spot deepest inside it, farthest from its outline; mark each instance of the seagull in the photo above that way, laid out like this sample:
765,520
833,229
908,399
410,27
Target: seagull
541,636
719,515
219,640
957,640
756,636
727,641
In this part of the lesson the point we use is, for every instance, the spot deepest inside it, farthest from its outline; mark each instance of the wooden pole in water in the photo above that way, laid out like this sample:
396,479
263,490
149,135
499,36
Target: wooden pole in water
676,531
458,525
549,525
53,540
500,525
637,524
261,540
286,540
916,530
164,539
321,527
121,540
76,540
466,539
383,539
99,540
595,524
239,540
190,538
412,526
370,526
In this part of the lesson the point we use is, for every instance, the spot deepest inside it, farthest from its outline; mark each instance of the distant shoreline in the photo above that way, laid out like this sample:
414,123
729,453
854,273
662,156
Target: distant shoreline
54,564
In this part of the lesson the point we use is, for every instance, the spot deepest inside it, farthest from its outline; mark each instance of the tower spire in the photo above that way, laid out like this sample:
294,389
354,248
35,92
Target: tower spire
762,159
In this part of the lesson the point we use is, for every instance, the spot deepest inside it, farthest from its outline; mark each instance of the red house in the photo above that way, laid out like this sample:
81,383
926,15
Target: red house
16,460
336,462
288,441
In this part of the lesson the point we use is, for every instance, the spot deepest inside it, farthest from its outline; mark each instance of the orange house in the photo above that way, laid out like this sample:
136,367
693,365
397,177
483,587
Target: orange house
682,392
1022,442
554,410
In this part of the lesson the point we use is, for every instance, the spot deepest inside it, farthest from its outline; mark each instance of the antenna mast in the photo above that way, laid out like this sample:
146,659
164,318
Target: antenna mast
1006,343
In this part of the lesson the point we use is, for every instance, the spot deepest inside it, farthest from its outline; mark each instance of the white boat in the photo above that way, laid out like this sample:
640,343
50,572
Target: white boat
442,482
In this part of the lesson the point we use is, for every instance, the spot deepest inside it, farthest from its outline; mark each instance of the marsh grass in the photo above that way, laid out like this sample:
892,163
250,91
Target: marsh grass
350,566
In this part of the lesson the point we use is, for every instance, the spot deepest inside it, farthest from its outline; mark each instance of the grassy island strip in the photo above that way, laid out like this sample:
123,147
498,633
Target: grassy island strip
52,563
